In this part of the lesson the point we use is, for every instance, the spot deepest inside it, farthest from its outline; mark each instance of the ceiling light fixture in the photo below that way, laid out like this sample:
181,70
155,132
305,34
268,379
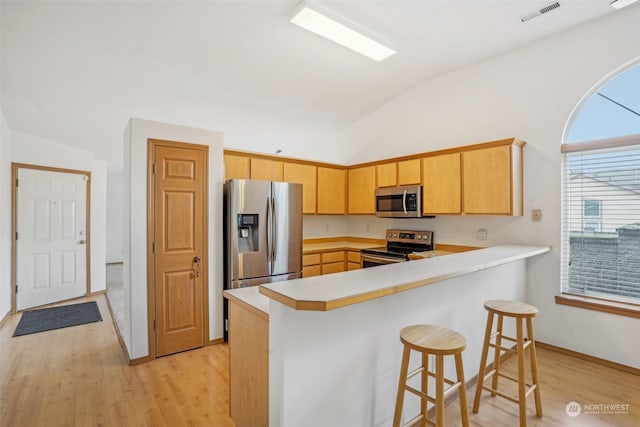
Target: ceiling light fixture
545,9
322,21
619,4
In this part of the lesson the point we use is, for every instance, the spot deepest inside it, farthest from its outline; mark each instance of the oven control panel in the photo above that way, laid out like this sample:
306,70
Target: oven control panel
410,236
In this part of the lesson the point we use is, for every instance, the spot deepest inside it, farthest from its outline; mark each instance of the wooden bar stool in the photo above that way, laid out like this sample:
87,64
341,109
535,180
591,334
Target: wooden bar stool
440,342
519,311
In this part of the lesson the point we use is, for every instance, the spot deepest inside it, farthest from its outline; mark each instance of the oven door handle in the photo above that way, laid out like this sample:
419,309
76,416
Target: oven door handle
368,257
404,202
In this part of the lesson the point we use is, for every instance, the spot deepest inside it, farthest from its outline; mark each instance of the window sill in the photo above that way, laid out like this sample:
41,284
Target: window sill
596,304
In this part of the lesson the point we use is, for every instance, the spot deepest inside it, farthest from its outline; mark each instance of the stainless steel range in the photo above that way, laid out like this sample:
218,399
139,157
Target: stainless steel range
400,243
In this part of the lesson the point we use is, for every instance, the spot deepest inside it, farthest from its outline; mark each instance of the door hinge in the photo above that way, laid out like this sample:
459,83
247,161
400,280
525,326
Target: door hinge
154,324
16,235
16,182
153,247
16,289
154,168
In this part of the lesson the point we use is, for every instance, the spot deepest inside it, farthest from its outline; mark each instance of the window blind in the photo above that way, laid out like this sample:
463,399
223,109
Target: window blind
601,222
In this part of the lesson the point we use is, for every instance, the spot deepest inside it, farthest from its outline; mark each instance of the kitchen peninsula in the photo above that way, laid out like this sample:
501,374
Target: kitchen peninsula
333,351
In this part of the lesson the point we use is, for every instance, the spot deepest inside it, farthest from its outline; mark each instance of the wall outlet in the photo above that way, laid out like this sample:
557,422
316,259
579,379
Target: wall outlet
536,214
481,234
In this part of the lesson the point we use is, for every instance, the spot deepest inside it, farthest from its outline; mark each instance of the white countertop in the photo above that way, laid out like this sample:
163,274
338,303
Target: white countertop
322,293
250,296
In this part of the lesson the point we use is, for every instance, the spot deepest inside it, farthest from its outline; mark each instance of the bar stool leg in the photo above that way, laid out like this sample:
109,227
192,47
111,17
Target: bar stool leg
464,411
496,356
404,367
439,390
425,389
483,362
522,402
534,368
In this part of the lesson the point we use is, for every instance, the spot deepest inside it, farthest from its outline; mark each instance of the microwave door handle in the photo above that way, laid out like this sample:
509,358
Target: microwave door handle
404,202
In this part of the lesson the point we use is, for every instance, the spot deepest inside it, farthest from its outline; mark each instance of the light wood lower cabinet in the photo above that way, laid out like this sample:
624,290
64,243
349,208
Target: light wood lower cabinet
325,263
311,265
353,260
332,262
248,365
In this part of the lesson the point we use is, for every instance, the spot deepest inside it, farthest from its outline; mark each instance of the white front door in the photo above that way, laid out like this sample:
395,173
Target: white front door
51,246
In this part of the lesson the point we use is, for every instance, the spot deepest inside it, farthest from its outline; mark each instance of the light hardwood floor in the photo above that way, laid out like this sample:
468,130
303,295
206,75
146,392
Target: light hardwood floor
79,377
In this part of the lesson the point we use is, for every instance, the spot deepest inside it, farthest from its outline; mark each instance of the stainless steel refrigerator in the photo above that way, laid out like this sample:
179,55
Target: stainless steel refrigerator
263,232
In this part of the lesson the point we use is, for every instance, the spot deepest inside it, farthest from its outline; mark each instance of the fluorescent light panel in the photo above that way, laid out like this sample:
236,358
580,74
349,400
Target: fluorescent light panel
323,22
619,4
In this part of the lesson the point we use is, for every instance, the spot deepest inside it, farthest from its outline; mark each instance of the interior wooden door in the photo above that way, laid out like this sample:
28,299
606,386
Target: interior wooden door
180,241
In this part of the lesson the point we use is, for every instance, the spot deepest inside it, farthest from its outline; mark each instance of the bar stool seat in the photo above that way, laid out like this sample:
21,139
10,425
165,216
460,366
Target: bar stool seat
440,342
520,312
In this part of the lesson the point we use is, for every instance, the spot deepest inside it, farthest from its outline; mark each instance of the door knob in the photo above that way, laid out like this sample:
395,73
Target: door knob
83,242
196,259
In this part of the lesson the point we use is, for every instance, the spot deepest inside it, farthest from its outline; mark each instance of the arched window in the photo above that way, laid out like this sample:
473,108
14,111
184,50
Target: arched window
601,194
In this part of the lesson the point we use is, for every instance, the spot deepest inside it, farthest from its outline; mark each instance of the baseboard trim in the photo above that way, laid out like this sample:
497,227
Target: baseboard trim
102,292
139,360
4,319
115,327
214,342
589,358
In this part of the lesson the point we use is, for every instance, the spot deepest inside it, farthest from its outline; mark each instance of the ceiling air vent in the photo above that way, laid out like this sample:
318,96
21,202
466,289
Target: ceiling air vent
544,9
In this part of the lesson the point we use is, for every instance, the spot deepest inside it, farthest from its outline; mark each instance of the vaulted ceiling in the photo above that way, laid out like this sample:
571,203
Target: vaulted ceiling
75,72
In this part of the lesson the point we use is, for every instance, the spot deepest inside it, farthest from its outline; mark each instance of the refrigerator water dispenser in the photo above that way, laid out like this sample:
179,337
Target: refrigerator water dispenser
248,233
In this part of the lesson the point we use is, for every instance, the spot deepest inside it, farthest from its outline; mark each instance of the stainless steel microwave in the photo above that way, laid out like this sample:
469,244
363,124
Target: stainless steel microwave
399,202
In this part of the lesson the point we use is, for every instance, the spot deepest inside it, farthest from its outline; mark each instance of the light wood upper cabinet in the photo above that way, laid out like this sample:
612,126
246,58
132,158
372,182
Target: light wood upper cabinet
236,167
409,172
493,180
386,175
362,188
305,175
441,188
331,191
267,170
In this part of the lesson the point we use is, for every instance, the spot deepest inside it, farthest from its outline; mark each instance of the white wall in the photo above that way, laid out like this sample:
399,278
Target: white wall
137,133
528,93
33,150
5,217
115,216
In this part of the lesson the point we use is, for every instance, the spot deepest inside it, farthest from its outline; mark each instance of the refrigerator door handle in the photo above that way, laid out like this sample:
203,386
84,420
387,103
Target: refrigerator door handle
269,229
274,241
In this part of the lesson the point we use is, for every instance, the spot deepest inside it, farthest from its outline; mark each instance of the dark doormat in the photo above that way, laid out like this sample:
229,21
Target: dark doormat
47,319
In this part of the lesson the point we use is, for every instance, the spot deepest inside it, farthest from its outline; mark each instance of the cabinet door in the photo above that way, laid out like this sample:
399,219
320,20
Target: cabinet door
236,167
441,186
386,175
409,172
305,175
487,181
331,191
362,190
267,170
